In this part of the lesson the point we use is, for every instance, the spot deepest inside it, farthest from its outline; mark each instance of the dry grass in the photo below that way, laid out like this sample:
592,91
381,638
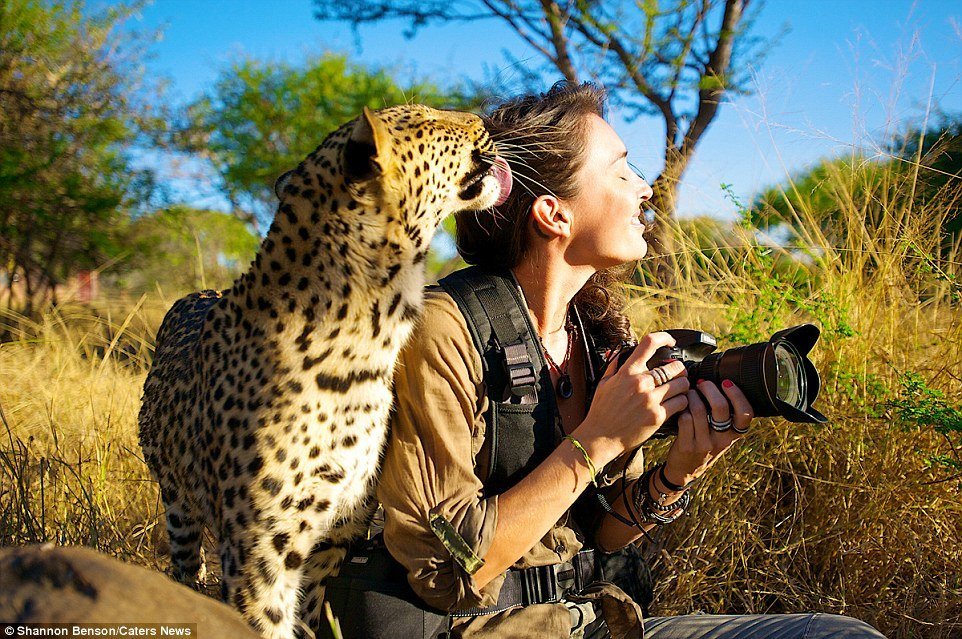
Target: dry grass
71,465
852,516
849,517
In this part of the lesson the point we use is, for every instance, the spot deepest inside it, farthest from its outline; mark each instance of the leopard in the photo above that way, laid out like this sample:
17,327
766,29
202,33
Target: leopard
265,410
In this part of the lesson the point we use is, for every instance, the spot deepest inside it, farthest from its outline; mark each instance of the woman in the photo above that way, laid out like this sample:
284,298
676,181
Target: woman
493,522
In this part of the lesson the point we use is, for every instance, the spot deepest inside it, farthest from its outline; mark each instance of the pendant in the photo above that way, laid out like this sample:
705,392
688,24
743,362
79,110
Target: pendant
565,387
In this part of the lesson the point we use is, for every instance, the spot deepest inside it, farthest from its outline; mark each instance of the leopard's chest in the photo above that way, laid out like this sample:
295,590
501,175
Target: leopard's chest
327,471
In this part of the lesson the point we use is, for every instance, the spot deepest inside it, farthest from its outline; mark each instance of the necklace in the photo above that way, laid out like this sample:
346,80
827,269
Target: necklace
564,387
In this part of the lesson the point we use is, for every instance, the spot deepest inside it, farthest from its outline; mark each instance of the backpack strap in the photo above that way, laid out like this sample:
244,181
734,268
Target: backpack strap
501,330
521,404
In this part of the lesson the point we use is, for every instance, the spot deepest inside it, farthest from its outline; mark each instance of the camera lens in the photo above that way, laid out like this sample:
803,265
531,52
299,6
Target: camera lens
790,376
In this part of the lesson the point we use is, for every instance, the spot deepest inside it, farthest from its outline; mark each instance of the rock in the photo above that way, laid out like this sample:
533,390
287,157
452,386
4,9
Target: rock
48,584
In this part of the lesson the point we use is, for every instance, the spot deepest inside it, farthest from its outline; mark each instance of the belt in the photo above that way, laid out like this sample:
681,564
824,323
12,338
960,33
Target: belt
540,584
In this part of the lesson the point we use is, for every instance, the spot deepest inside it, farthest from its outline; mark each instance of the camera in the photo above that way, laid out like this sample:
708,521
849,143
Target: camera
776,376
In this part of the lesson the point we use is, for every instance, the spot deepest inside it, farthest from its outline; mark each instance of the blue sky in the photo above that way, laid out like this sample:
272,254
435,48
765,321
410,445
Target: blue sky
846,72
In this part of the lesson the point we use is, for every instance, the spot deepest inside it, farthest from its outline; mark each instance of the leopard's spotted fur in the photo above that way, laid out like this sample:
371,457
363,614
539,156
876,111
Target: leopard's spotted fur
265,411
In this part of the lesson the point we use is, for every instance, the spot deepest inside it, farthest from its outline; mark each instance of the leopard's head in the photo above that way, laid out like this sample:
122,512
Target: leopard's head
405,168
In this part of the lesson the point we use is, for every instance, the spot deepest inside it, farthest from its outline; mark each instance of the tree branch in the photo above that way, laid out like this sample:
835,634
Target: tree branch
714,80
557,20
679,63
519,30
418,11
632,68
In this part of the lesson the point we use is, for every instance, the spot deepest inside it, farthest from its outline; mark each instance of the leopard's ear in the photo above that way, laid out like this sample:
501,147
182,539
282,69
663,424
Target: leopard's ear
368,149
281,183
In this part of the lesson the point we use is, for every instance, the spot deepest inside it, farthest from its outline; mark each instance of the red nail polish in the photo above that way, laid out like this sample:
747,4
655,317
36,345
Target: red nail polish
728,383
699,382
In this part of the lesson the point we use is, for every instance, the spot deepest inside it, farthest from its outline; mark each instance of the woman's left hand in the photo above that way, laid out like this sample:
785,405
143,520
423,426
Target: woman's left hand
698,445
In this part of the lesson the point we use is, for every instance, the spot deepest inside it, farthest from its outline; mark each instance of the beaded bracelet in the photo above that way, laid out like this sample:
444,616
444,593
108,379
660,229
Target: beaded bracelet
660,516
650,502
663,519
654,511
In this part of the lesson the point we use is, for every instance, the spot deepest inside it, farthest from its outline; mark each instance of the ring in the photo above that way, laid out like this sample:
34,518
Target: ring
740,431
720,426
660,376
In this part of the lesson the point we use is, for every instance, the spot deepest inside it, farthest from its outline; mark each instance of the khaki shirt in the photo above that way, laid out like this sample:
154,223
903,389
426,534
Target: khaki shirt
431,468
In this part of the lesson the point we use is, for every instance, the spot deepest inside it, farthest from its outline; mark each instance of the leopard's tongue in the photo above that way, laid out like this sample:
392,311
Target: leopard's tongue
502,172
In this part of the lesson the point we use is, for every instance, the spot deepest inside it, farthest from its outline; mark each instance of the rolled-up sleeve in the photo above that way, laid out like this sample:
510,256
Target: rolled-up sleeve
438,524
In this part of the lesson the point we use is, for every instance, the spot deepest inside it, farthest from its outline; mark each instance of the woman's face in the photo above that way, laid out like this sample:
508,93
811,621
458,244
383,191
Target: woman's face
607,224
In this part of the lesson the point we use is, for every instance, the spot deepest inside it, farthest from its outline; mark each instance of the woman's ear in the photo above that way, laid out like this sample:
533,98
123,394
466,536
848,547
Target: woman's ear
549,218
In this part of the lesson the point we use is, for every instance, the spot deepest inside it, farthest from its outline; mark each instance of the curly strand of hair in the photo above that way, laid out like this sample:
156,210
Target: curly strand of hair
601,303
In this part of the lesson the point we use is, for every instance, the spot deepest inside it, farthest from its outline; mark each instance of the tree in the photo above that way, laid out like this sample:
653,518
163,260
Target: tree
185,249
934,156
70,110
919,175
677,60
262,118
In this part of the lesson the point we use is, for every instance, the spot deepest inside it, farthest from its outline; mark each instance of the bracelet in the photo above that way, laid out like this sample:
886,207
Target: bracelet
650,502
637,499
672,486
645,500
591,464
678,508
661,520
654,511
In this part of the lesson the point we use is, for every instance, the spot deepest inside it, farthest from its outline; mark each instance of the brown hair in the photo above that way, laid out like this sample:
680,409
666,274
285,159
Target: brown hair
544,139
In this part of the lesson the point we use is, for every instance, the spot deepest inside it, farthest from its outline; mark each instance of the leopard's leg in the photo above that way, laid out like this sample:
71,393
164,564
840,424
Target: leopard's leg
324,561
262,579
228,572
184,528
326,558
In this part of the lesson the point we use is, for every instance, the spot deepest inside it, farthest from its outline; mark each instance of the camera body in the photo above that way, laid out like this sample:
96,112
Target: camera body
776,376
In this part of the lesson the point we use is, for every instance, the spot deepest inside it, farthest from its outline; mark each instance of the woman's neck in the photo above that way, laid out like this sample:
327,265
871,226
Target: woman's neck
549,286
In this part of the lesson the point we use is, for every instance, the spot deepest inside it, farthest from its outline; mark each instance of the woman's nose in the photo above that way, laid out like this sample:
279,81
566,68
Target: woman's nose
646,191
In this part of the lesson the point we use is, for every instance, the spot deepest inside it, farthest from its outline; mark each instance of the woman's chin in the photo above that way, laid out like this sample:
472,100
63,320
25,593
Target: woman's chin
636,254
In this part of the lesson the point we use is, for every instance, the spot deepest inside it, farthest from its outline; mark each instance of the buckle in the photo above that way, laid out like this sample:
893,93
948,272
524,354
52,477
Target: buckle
519,369
545,584
566,576
538,585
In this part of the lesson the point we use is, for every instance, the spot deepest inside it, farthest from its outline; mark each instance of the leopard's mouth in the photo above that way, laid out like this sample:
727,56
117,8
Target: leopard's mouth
497,169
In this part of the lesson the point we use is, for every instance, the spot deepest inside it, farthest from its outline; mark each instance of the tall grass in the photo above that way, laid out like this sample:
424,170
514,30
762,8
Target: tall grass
71,470
860,516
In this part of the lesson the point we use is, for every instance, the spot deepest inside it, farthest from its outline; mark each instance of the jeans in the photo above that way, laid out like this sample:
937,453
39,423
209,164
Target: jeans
795,626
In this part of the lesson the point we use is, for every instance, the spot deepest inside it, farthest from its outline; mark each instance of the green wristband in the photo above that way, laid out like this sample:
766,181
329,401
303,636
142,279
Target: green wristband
591,464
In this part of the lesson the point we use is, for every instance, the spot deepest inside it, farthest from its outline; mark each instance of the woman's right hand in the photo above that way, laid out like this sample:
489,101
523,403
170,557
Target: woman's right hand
629,404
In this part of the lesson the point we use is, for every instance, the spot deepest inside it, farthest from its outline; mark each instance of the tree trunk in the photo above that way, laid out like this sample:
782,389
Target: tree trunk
28,293
677,155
